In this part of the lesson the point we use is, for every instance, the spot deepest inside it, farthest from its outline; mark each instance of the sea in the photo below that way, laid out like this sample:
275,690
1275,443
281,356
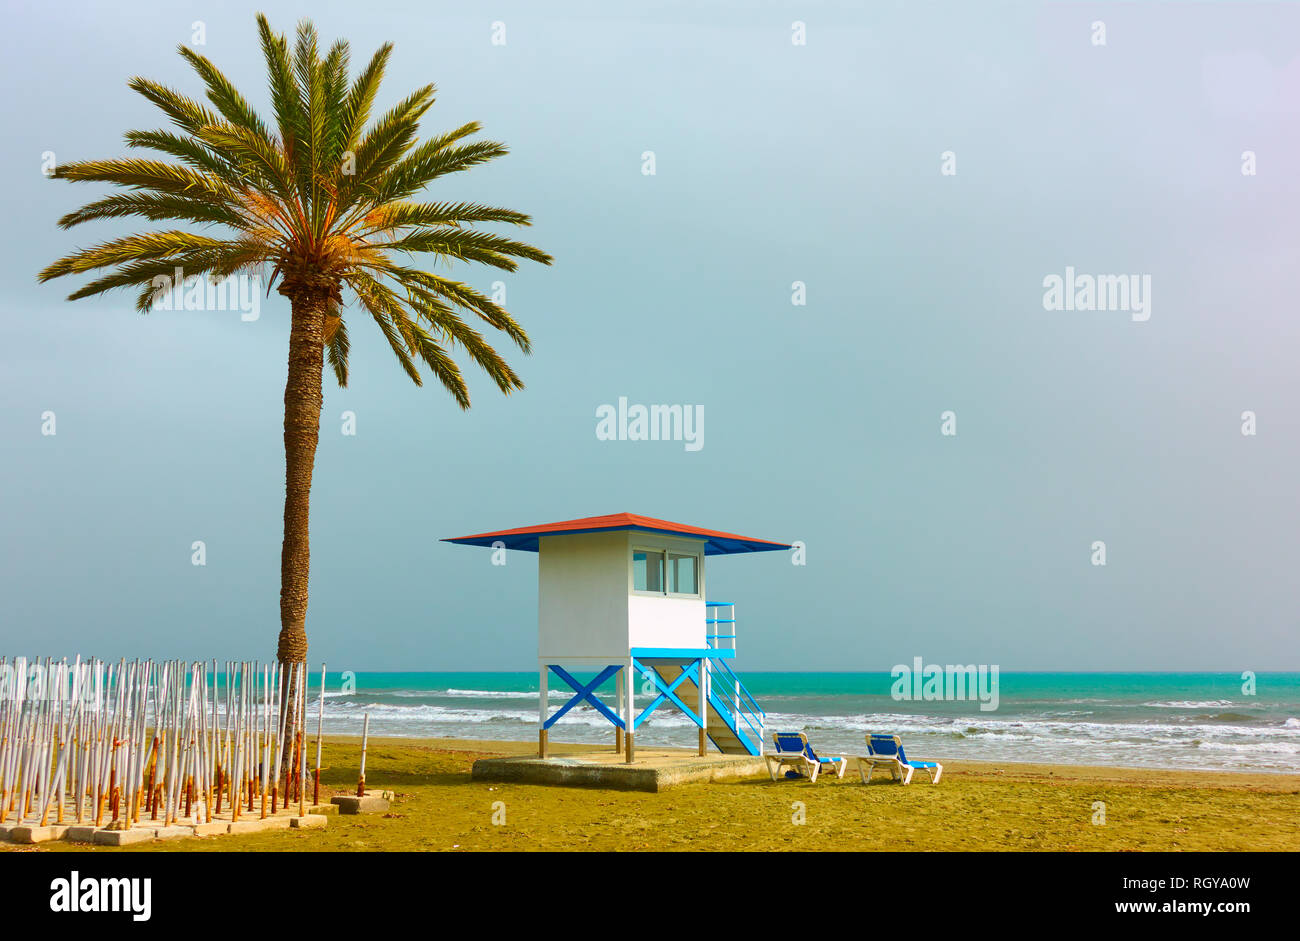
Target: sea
1207,721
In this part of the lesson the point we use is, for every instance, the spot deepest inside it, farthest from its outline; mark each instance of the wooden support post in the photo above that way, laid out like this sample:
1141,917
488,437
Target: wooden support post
629,702
702,685
541,743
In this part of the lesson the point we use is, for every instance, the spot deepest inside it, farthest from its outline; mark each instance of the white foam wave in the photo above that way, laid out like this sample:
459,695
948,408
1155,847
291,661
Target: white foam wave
512,694
983,723
1191,704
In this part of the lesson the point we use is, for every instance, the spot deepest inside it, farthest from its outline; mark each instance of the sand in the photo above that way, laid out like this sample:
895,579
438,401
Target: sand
976,806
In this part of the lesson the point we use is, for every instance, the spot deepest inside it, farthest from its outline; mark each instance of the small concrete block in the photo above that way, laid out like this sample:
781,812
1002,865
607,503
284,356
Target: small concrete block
172,833
37,834
318,809
123,837
361,805
276,823
5,828
247,826
214,828
309,822
81,834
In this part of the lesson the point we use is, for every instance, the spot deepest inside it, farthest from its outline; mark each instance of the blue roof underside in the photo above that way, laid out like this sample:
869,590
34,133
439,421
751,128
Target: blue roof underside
713,545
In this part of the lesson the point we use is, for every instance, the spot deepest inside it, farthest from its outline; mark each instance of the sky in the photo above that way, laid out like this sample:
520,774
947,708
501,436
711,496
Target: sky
827,162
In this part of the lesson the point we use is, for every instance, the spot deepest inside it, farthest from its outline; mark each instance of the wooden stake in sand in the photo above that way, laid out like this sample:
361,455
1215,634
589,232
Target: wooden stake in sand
365,736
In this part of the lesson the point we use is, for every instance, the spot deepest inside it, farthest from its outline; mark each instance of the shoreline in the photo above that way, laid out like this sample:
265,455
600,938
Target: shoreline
1052,772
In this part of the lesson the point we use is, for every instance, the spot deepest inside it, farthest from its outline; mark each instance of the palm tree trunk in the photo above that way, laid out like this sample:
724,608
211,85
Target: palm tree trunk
302,405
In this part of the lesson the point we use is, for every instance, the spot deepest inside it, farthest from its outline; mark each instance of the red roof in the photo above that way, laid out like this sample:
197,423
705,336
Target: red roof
527,537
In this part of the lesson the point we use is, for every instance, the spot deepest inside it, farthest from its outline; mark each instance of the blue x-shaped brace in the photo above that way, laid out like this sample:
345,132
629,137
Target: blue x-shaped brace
667,692
585,694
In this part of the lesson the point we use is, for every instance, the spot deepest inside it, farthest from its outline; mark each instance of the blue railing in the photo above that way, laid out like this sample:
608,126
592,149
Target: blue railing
712,632
726,692
729,697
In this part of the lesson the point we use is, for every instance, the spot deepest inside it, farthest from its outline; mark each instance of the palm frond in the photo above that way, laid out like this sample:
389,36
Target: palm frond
441,364
470,340
224,96
186,113
422,166
150,174
192,151
466,297
384,307
336,352
155,207
284,94
311,97
467,244
399,215
385,143
152,245
146,272
334,72
361,97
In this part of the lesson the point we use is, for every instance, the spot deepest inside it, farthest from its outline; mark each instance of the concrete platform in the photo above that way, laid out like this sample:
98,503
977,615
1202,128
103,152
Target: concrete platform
653,770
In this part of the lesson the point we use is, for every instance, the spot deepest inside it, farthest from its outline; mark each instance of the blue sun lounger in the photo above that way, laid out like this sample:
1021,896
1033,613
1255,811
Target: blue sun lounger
792,748
888,750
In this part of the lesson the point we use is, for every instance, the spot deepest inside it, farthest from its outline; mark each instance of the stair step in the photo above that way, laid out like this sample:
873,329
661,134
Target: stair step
719,732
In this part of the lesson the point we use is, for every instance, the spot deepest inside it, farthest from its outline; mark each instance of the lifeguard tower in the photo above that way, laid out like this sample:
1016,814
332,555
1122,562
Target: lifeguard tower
623,597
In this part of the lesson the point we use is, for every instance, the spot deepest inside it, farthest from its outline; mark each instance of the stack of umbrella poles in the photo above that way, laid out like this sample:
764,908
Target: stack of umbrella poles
98,751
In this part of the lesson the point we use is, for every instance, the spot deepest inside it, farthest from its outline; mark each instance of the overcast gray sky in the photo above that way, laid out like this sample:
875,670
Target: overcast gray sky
774,163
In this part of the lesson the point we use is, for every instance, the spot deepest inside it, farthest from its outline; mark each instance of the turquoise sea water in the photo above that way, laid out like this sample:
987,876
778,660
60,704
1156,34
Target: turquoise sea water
1164,720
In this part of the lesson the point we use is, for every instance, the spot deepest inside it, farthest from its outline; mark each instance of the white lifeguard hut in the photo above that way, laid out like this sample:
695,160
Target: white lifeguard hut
623,596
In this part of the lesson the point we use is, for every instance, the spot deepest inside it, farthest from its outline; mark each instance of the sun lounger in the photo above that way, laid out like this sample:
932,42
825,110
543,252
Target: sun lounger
792,749
887,750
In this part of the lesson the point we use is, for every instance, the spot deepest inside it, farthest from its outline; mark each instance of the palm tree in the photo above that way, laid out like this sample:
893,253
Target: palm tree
325,200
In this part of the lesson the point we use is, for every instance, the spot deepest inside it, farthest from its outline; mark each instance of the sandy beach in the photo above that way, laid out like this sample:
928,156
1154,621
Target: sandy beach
976,806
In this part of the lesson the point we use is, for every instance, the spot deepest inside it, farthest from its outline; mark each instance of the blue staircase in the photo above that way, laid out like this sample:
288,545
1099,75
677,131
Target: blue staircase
736,723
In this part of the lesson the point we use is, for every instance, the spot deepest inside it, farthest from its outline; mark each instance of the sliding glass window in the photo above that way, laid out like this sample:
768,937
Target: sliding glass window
682,577
647,571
